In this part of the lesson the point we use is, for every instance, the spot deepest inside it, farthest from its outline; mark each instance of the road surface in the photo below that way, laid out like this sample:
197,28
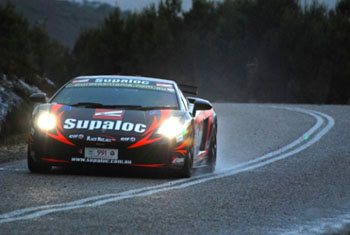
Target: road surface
282,169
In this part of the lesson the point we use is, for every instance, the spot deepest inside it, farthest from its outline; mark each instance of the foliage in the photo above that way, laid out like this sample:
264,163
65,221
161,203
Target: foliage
234,50
14,46
241,50
29,51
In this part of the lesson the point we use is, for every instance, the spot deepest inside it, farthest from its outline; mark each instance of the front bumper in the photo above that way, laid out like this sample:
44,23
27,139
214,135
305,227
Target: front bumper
163,153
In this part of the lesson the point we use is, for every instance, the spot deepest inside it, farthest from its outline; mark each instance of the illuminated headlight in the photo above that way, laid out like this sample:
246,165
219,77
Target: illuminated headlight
172,127
46,121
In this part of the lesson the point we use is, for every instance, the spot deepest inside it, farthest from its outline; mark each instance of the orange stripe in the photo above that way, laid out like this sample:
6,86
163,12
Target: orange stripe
54,160
59,137
149,165
148,134
59,124
55,108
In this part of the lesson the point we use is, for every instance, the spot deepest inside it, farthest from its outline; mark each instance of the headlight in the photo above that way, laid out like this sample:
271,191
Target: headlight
46,121
172,127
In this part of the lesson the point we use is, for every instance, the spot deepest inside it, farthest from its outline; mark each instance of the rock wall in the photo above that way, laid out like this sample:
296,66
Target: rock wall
14,98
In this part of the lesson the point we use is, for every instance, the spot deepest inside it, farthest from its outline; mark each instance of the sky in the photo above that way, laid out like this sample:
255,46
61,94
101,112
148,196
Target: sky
139,4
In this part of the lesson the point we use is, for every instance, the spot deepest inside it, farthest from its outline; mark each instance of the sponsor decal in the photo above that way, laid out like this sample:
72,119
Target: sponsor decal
123,83
108,114
164,85
76,136
119,80
91,125
103,139
167,86
178,160
128,139
80,80
154,112
98,160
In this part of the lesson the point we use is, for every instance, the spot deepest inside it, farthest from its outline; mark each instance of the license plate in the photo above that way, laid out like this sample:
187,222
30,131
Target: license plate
101,153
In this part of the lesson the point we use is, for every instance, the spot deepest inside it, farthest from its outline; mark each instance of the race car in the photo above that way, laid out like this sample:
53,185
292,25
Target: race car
122,121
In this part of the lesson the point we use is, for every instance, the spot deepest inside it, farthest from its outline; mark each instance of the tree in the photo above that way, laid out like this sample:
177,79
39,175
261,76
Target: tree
340,56
14,43
261,50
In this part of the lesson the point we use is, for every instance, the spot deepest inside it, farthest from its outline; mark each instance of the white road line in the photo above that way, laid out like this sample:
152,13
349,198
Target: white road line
319,122
12,169
321,226
315,133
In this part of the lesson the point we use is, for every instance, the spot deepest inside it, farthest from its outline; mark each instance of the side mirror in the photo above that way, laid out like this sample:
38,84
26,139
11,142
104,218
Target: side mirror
38,98
201,104
191,100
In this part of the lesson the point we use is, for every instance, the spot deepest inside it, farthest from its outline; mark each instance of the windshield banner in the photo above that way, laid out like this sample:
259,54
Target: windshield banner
117,82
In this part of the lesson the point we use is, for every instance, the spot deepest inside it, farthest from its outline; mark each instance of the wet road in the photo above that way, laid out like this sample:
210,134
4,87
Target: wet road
282,169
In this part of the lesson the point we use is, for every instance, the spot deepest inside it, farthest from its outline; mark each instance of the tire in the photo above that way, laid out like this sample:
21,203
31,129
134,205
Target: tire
36,167
186,171
212,155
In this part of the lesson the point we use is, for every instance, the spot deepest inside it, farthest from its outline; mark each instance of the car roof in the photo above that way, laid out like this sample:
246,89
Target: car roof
126,77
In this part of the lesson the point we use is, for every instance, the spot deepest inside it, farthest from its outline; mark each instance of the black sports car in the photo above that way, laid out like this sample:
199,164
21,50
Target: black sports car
122,121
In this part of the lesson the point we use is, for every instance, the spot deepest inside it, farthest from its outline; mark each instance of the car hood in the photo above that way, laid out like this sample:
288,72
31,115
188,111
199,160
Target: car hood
101,125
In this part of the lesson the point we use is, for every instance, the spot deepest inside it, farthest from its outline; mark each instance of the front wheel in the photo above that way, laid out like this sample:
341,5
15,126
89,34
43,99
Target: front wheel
186,171
36,167
212,155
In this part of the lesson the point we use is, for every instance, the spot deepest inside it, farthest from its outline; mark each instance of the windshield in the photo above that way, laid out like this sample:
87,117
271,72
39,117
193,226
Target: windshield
116,96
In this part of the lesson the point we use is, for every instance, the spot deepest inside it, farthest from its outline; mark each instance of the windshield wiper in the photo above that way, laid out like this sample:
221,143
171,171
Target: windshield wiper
157,107
122,106
87,104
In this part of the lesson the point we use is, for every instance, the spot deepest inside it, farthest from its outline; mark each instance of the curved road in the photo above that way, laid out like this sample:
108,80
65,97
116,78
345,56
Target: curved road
282,169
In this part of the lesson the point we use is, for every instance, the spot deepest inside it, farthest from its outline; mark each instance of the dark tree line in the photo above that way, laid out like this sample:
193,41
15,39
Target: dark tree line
240,50
28,52
235,50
